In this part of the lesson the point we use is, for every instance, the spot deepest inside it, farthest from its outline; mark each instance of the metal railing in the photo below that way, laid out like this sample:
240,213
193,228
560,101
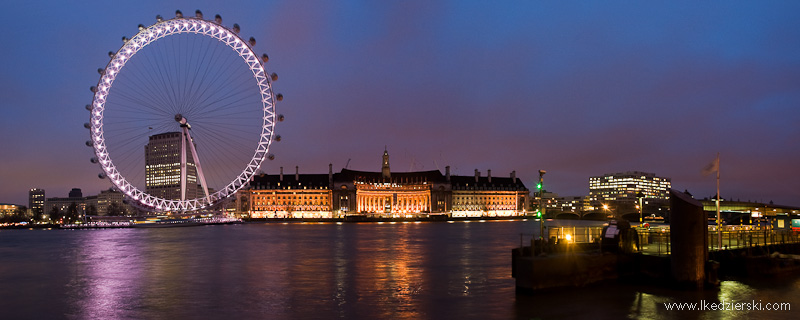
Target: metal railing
656,241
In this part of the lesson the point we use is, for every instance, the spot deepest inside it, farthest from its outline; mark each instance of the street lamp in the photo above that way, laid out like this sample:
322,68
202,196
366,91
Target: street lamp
542,206
640,196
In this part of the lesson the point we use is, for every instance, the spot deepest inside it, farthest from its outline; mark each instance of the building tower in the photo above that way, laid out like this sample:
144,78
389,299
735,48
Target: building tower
36,202
162,156
387,174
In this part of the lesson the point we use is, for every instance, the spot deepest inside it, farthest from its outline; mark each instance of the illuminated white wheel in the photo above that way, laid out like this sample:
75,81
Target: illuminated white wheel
202,72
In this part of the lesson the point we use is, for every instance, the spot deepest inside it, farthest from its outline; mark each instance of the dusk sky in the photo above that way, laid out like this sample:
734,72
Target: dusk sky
578,89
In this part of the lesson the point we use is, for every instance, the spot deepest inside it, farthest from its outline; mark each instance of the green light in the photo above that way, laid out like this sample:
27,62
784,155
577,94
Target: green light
539,186
539,214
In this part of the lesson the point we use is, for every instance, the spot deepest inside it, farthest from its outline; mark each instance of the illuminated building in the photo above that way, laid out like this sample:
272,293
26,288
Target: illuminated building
36,202
625,186
573,204
619,192
163,167
287,196
488,196
399,194
7,209
382,194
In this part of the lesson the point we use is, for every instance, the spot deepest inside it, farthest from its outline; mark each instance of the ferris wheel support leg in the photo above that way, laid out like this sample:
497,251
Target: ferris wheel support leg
183,164
197,164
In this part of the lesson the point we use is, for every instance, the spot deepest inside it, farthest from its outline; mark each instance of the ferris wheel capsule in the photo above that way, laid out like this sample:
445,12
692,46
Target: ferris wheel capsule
101,175
278,138
265,58
93,89
141,27
88,107
87,125
101,71
218,19
178,14
279,97
159,18
236,28
111,54
125,39
89,143
93,159
252,42
274,76
281,117
271,156
198,14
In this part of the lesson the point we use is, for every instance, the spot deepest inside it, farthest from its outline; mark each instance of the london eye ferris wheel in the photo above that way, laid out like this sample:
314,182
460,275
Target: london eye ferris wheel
183,114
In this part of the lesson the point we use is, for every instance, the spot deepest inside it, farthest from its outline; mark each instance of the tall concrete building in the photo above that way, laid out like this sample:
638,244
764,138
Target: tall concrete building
163,167
36,202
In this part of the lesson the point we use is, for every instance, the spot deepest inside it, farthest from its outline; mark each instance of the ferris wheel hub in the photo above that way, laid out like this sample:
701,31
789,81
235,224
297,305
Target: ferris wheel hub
180,119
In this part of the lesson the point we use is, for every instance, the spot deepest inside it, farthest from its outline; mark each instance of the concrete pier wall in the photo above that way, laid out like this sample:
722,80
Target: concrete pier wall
688,227
564,270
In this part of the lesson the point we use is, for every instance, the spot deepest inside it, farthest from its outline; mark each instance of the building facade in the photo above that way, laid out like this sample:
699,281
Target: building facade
163,167
286,196
478,196
381,194
8,209
624,186
58,205
109,203
618,191
36,202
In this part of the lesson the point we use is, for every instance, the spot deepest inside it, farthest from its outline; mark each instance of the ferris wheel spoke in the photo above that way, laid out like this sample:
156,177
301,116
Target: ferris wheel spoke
218,82
159,71
202,86
214,103
196,78
146,81
138,103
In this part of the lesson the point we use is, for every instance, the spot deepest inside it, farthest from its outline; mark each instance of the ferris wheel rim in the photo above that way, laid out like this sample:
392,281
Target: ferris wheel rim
146,36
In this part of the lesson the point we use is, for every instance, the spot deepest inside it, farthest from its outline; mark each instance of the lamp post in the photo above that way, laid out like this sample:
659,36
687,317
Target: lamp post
542,206
640,196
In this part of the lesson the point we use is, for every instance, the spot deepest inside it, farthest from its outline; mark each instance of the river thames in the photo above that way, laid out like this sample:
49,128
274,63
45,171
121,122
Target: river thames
429,270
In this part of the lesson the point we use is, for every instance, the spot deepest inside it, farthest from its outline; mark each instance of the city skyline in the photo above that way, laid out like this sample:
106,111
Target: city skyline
578,90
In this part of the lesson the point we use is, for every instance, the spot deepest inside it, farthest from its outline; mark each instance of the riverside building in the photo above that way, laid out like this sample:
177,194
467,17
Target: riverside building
381,194
620,190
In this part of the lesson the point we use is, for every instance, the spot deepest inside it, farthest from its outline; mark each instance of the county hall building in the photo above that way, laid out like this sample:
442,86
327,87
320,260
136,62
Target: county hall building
381,194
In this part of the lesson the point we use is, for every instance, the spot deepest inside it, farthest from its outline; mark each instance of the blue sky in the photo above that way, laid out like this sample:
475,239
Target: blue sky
575,88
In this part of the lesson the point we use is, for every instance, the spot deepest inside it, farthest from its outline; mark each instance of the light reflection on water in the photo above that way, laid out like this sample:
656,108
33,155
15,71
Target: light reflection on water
354,271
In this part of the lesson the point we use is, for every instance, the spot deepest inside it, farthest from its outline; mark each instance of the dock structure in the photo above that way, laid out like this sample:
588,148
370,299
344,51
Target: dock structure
685,254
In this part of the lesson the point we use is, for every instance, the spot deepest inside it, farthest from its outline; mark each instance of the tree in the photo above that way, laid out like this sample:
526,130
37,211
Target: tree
91,210
55,214
72,213
114,209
